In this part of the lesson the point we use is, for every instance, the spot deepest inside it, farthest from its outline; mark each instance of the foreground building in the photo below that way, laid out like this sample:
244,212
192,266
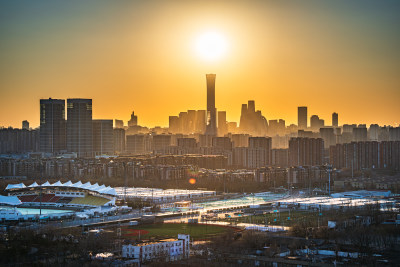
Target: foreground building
166,249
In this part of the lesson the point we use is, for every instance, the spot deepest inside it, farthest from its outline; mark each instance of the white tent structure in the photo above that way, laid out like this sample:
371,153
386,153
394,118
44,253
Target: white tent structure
101,189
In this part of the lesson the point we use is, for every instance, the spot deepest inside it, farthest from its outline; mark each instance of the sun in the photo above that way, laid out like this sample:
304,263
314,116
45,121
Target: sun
211,46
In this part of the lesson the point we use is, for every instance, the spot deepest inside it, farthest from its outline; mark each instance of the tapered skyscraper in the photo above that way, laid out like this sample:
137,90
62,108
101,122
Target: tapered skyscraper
211,110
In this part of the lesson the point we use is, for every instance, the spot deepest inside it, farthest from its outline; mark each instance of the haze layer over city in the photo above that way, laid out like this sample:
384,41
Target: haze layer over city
199,133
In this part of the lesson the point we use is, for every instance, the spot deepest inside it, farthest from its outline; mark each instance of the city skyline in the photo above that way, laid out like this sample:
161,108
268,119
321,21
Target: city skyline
129,56
304,121
132,131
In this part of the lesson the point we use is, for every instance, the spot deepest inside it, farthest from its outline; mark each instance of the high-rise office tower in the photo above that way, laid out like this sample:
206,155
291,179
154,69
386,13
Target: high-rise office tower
252,121
222,126
52,125
211,110
335,119
251,106
133,121
243,118
302,117
103,141
80,127
25,125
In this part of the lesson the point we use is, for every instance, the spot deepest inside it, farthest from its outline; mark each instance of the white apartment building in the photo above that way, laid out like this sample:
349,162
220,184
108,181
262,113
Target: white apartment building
161,250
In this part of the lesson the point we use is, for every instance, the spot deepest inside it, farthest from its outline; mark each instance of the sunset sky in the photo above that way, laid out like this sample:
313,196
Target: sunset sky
332,56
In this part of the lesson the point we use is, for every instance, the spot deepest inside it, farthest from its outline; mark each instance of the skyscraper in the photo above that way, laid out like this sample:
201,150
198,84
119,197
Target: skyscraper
79,126
335,119
302,117
52,125
252,121
211,110
222,126
134,120
103,141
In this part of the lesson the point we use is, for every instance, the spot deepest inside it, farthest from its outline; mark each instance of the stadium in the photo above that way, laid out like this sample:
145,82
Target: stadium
58,200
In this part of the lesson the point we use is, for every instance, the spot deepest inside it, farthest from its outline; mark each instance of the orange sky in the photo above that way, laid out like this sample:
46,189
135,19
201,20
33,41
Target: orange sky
140,55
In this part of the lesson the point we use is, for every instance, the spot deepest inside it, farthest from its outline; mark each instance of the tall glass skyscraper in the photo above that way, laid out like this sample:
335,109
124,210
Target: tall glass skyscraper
52,125
79,127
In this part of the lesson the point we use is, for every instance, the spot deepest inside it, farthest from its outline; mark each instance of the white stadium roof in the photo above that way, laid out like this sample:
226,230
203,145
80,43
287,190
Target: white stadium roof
10,200
15,186
102,189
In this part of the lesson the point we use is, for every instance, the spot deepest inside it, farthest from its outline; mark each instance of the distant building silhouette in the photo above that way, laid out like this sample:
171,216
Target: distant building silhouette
161,141
119,140
360,134
232,127
328,135
192,121
80,127
133,121
316,123
25,125
252,121
394,133
52,125
302,118
16,141
138,144
306,151
366,154
103,140
335,119
187,142
259,152
222,143
119,123
211,110
222,123
276,127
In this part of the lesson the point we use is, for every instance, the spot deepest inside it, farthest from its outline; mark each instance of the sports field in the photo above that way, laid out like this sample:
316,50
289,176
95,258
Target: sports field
279,218
171,230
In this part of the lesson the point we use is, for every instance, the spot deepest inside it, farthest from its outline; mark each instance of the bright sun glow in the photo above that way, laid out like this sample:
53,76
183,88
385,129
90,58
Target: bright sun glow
211,46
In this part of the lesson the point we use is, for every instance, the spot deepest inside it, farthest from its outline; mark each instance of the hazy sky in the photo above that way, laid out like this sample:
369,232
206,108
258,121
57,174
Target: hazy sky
332,56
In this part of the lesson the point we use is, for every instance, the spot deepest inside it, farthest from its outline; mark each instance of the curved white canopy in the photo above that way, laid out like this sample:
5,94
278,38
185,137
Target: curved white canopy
15,186
102,189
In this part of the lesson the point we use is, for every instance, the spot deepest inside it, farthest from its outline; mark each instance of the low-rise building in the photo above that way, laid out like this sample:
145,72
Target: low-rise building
165,249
